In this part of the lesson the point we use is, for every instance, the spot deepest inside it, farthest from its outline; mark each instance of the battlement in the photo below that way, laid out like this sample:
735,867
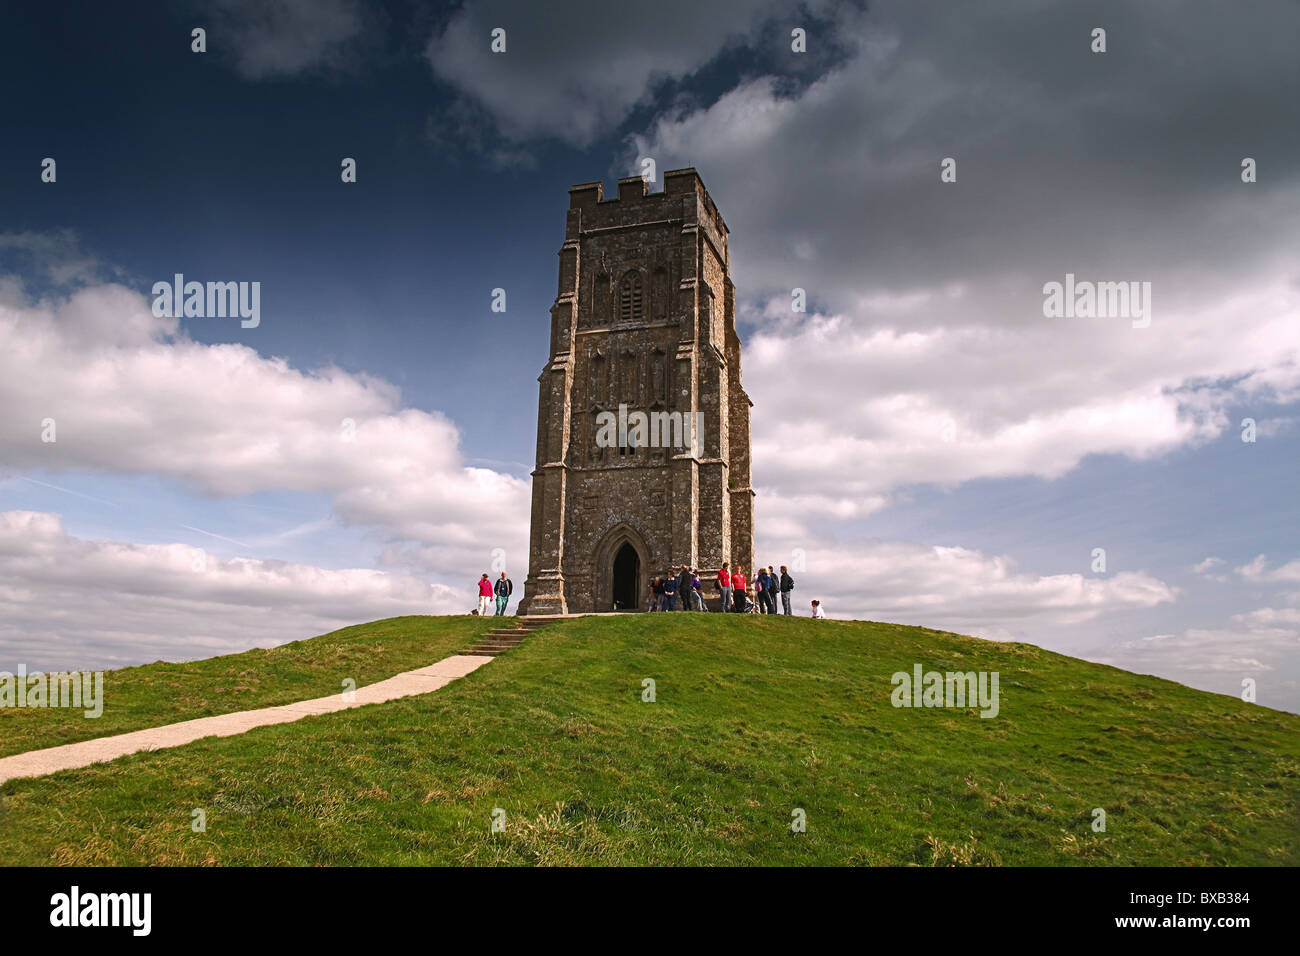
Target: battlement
590,197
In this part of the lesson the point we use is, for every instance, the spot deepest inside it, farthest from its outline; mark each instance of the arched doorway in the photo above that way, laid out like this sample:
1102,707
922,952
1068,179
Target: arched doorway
627,578
619,564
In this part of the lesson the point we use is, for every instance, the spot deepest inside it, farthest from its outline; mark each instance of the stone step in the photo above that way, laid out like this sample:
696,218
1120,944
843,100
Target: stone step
501,639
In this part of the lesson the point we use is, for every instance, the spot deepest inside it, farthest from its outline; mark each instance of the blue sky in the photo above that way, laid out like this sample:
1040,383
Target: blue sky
938,451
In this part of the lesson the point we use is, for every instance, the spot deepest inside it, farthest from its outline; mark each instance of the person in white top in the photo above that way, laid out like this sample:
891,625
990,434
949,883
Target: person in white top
817,609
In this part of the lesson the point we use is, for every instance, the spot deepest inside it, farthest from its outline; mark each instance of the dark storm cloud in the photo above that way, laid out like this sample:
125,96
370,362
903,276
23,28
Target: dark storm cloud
1066,159
573,72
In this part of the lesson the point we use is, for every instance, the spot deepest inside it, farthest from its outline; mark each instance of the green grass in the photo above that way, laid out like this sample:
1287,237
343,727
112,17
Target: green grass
754,718
138,697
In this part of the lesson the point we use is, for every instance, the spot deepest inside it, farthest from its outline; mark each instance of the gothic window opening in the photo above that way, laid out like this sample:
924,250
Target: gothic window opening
631,301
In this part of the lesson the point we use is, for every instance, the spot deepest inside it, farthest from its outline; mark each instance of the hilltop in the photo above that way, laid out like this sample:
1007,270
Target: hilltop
753,720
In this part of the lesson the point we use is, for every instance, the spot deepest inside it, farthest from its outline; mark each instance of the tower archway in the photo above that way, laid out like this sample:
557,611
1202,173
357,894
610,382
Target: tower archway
620,564
626,582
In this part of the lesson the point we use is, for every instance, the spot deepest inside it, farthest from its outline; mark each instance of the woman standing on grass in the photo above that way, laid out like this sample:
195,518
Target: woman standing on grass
697,592
738,589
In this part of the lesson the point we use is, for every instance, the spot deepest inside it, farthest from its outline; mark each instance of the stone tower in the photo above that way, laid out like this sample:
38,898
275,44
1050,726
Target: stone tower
644,319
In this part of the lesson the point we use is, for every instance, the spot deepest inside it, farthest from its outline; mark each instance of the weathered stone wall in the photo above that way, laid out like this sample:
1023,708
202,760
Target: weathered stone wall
644,316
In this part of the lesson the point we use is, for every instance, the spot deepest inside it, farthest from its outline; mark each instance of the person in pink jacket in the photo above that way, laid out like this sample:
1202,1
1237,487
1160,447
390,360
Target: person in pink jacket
484,595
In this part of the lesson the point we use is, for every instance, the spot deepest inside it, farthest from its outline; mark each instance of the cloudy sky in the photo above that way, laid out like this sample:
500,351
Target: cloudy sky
938,450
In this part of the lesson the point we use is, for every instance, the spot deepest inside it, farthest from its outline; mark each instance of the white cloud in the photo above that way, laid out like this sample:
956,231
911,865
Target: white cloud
1259,571
1204,568
67,602
951,587
1261,645
893,407
130,394
927,358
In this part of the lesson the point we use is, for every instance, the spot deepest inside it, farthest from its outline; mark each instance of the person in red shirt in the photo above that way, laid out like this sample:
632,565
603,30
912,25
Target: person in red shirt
724,585
738,589
484,595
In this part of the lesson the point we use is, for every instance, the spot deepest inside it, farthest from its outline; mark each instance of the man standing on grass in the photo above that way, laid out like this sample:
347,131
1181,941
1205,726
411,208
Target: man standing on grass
760,590
670,592
684,587
787,585
724,585
484,594
504,588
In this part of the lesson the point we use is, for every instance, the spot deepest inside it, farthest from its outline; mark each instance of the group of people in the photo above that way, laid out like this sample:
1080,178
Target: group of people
734,587
487,590
686,585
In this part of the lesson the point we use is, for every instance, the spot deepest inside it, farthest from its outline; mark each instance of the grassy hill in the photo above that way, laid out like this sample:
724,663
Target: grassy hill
753,719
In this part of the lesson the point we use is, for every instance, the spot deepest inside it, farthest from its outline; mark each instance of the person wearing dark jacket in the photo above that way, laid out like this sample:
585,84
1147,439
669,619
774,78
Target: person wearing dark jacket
670,593
697,592
760,590
772,583
684,587
503,588
787,585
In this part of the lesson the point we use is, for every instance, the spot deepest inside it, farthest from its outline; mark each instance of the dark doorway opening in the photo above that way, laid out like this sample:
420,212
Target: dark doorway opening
627,578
